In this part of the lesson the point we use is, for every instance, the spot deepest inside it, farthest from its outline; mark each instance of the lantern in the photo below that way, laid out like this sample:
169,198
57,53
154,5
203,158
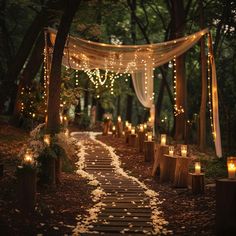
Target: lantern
163,139
184,150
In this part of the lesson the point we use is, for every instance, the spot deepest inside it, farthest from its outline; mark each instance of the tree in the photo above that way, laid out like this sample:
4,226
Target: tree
53,118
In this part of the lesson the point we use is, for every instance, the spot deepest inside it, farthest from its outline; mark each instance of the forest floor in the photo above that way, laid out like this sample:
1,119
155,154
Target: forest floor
57,207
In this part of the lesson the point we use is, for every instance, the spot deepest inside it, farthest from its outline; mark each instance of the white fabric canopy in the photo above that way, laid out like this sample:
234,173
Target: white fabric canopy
138,60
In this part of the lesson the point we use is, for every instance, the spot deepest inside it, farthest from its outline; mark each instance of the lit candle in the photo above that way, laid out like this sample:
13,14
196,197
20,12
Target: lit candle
150,119
163,139
231,170
129,127
113,128
133,131
145,126
126,123
141,128
184,150
46,139
149,137
197,168
65,118
119,119
171,150
28,157
61,118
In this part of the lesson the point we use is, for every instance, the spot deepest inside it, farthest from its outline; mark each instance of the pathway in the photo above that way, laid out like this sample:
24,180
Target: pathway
123,205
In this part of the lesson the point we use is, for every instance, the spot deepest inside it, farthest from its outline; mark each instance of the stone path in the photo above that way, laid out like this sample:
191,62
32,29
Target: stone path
124,207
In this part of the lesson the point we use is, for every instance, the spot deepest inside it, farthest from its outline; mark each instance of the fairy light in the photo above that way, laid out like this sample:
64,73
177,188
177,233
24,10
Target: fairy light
177,110
209,93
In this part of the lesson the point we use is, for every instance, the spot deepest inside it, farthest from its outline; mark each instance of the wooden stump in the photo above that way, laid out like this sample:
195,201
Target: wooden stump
198,185
106,127
181,172
48,171
149,150
132,140
159,152
119,128
127,133
226,207
26,184
1,170
167,168
141,137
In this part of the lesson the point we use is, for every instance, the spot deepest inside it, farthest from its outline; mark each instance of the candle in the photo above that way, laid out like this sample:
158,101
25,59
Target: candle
46,139
127,124
61,119
113,128
150,119
145,126
149,137
129,127
171,150
65,118
197,168
133,131
119,119
141,128
184,150
231,170
28,157
231,164
163,139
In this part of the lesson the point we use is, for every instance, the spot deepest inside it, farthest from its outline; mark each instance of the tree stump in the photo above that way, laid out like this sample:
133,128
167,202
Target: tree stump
1,170
132,140
141,137
198,185
167,168
106,127
26,184
226,207
149,150
48,171
127,133
159,152
181,172
119,128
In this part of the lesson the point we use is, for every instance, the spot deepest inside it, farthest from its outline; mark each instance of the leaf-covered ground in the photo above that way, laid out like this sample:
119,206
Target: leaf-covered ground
56,208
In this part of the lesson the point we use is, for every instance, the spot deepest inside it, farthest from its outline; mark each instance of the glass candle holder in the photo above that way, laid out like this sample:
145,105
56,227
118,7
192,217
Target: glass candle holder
145,126
231,166
133,131
119,119
184,150
149,136
141,128
171,150
197,166
163,139
28,157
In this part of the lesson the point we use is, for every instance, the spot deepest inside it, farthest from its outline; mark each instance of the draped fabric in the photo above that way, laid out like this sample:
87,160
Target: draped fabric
137,60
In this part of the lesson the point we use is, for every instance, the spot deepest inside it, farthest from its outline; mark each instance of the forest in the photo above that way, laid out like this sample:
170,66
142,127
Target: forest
43,94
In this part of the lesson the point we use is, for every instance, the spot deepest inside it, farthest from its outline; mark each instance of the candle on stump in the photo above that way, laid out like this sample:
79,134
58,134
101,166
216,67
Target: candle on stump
197,168
184,150
47,139
141,128
149,137
231,164
133,131
163,139
171,150
28,157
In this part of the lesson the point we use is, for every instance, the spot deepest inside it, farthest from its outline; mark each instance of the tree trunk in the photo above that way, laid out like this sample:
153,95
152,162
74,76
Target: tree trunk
53,119
34,63
129,105
178,16
202,115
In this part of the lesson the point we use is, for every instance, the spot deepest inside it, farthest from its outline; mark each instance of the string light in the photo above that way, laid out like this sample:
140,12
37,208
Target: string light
177,110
